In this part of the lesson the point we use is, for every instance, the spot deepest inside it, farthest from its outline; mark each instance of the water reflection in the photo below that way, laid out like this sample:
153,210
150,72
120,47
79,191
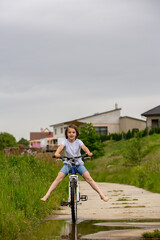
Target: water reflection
61,229
72,232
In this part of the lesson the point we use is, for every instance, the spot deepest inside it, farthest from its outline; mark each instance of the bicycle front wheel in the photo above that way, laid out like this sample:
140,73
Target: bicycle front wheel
74,200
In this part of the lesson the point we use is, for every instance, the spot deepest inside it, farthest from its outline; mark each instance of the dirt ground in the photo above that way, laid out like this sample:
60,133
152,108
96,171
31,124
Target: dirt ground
126,202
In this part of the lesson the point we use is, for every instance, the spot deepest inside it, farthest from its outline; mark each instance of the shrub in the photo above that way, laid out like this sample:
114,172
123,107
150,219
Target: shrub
105,137
7,140
92,139
155,234
134,132
133,154
24,142
116,136
129,134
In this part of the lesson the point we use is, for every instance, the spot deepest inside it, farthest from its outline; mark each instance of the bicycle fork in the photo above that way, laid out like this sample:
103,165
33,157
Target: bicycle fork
74,178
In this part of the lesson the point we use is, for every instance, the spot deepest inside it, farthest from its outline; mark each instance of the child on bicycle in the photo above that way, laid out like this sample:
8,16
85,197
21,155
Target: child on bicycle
72,147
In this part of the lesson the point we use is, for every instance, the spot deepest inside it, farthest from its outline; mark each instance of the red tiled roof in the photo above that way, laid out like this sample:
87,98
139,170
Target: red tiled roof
40,135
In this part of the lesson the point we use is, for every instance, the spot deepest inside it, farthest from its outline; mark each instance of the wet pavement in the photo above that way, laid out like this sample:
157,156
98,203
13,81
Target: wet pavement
64,229
129,213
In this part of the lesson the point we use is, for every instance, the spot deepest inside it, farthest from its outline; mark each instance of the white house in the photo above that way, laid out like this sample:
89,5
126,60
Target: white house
104,123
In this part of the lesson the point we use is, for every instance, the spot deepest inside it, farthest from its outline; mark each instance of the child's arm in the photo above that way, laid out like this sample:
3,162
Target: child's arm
86,150
59,149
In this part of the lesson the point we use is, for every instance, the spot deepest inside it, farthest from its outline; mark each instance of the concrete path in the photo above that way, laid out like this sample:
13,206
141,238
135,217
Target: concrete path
126,202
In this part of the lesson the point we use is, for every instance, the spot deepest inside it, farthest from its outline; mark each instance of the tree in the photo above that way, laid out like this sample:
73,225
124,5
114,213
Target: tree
24,142
92,139
7,140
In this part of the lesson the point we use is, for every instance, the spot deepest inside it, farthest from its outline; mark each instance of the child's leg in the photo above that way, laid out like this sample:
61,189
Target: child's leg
94,185
58,179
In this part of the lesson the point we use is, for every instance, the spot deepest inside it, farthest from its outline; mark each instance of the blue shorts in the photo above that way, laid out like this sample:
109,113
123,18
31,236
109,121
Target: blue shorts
67,169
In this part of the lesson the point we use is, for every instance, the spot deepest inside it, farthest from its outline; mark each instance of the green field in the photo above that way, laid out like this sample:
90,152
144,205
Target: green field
25,179
113,167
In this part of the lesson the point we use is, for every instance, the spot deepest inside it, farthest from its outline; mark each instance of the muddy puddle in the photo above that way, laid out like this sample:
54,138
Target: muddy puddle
64,229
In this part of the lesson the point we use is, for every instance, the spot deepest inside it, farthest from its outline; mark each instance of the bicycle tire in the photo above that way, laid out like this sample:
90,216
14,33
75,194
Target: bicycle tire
73,201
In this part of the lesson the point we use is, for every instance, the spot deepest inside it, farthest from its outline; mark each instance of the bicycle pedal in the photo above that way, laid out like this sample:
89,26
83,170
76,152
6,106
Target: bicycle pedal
64,203
84,197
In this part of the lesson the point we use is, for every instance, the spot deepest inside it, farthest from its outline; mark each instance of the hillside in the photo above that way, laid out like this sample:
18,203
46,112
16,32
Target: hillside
114,166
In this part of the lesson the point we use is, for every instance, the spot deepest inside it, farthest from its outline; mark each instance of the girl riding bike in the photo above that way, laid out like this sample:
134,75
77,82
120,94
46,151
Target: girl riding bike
72,147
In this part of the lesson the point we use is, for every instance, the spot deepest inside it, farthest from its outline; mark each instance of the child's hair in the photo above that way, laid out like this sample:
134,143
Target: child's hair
74,127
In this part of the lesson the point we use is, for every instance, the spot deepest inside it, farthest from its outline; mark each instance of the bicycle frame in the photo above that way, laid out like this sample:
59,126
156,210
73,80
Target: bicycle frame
74,194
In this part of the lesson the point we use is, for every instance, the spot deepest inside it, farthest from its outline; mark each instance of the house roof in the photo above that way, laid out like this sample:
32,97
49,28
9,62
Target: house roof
151,112
40,135
78,121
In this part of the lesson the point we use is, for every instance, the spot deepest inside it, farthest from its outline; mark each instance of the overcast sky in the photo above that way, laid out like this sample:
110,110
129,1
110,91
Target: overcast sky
66,59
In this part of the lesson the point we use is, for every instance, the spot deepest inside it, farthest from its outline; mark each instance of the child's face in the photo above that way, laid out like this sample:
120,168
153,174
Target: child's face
71,133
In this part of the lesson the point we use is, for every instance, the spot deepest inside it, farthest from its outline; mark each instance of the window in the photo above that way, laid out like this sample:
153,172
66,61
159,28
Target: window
55,131
102,130
155,123
61,130
54,141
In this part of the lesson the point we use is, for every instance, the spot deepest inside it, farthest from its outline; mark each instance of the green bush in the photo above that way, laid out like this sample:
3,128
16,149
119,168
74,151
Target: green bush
154,130
24,142
116,136
92,140
153,235
105,137
129,134
7,140
133,154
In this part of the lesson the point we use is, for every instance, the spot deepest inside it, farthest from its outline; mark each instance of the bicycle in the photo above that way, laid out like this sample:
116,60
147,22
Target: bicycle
74,194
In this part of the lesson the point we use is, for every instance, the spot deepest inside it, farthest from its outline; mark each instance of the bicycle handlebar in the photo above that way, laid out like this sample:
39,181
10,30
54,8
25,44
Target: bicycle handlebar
63,158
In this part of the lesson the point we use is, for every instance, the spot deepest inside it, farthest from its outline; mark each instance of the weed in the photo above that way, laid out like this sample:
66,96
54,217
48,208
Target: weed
141,206
155,234
117,190
123,199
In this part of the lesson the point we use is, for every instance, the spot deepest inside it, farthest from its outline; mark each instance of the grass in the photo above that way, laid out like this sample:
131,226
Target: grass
24,180
123,199
141,206
112,168
152,235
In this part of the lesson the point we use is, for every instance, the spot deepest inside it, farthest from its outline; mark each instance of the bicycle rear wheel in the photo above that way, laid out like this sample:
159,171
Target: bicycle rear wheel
74,200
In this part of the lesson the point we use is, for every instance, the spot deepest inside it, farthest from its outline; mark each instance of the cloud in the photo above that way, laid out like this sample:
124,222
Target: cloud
62,60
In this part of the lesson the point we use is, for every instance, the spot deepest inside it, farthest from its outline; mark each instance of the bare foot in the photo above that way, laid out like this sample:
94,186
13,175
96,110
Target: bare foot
44,198
106,199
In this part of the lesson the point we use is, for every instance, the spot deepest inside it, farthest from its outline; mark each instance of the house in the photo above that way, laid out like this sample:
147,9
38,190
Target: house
41,139
105,123
127,123
153,117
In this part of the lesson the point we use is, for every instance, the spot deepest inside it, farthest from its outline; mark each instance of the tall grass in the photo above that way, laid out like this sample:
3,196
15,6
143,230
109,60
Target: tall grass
23,181
112,167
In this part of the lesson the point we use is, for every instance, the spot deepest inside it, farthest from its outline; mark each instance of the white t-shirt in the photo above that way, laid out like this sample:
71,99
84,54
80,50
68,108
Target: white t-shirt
72,149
